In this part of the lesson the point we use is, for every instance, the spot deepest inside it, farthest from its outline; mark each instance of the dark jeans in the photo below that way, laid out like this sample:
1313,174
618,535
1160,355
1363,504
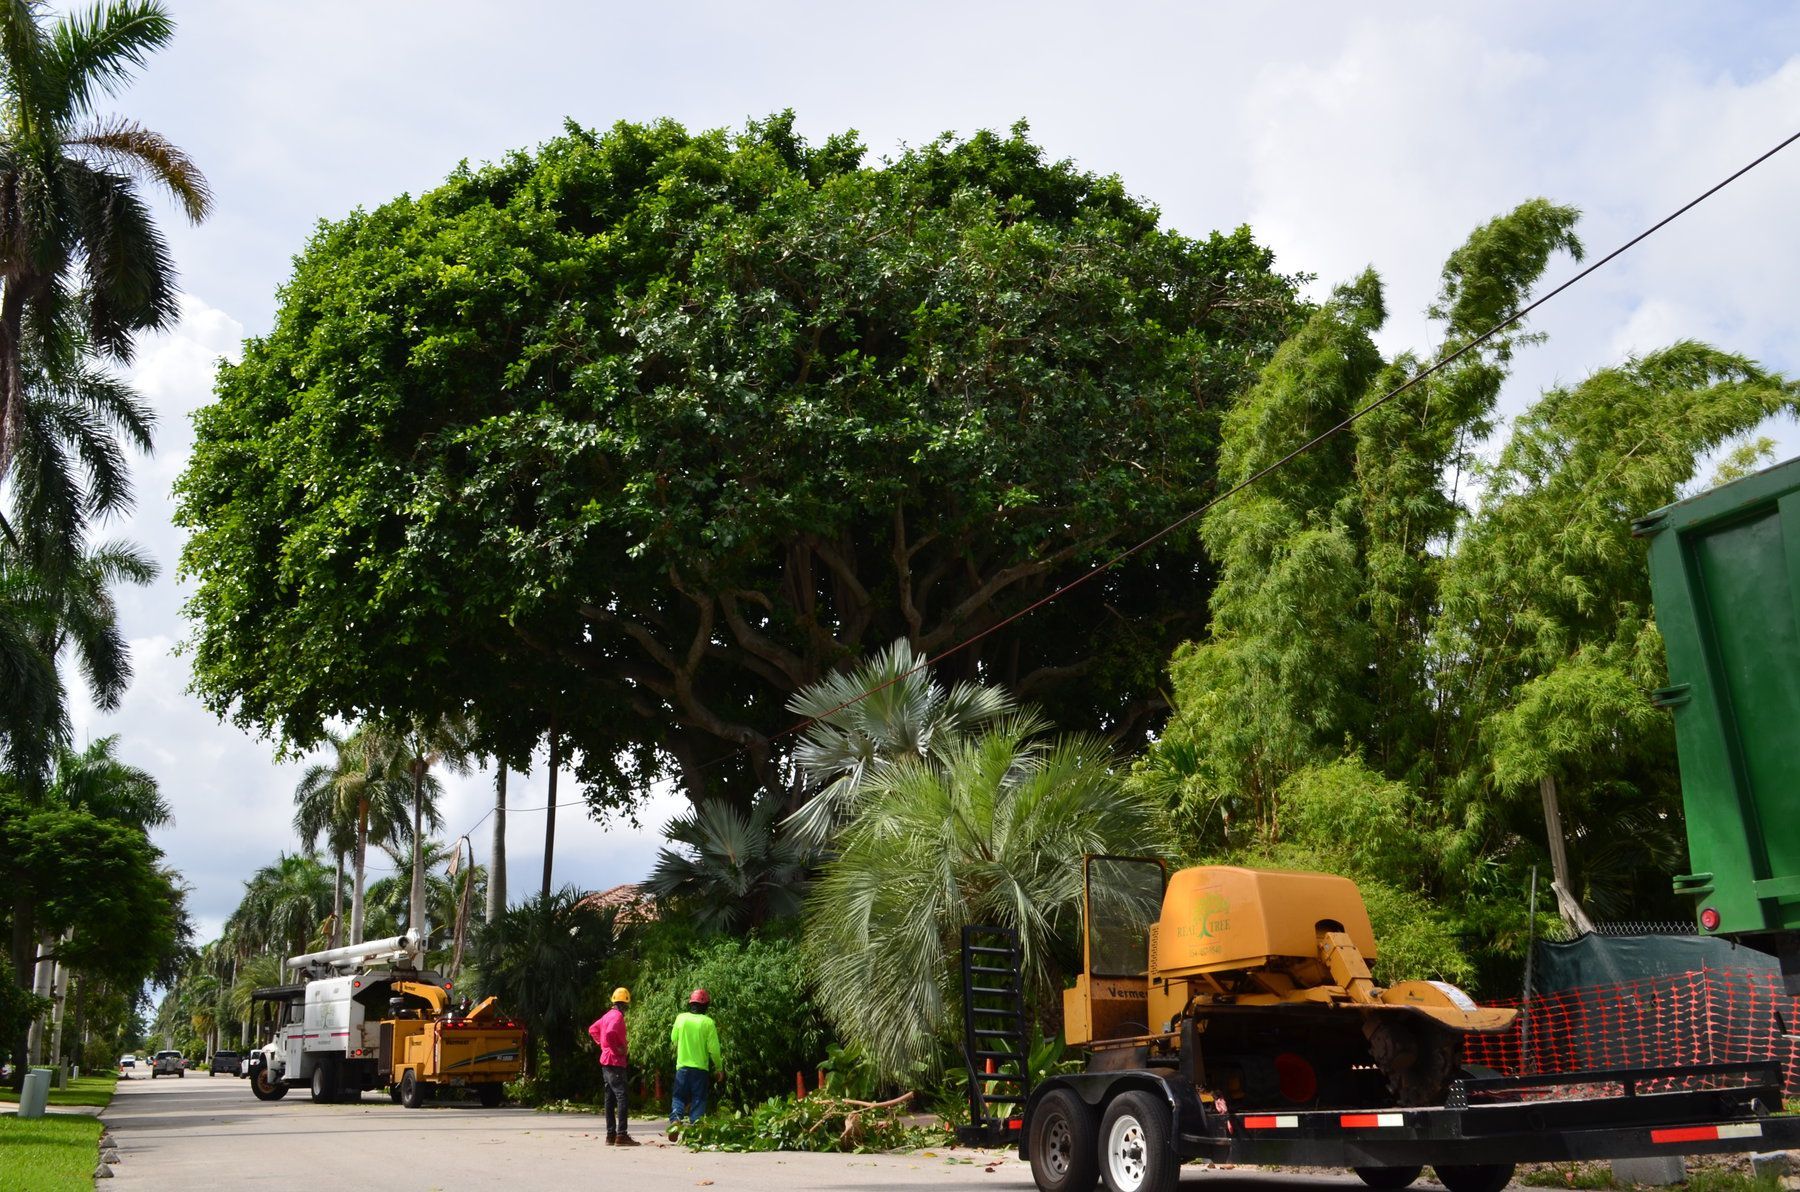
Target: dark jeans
690,1094
618,1097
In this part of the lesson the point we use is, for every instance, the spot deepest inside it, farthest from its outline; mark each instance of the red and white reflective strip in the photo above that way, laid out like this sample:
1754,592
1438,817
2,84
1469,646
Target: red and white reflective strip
1369,1121
1284,1121
1707,1133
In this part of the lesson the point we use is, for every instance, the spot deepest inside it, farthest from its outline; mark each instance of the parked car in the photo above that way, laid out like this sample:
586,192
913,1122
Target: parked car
127,1061
167,1063
229,1062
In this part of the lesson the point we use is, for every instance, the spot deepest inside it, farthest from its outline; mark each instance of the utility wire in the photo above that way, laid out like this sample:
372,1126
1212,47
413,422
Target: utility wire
1437,366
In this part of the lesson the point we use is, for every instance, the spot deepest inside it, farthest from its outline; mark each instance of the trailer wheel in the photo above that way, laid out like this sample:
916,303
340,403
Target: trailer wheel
1062,1143
265,1087
412,1093
394,1093
1135,1151
1388,1178
1480,1177
489,1095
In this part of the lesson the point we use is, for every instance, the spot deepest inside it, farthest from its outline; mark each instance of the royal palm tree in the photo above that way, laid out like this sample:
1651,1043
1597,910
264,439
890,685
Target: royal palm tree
737,871
358,796
389,899
995,833
286,908
418,744
96,781
80,244
883,713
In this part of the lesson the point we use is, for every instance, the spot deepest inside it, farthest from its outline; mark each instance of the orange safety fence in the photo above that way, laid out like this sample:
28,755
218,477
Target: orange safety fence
1705,1017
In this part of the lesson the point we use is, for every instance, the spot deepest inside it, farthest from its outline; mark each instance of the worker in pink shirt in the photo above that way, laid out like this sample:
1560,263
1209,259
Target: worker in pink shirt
608,1034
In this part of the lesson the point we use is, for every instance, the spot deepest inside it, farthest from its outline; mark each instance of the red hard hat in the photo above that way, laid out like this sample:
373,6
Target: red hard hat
699,998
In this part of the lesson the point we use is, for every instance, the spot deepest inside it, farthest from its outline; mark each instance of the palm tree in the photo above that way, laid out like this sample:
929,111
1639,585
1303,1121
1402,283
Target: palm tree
883,713
42,616
389,899
69,197
419,744
737,871
541,958
357,796
286,907
993,834
96,781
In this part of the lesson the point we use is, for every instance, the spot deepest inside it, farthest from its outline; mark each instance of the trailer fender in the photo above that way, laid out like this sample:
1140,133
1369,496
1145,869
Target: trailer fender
1187,1117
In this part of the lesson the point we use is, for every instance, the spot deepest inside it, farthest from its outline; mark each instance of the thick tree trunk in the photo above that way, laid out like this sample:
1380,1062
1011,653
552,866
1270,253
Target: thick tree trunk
43,978
496,891
550,811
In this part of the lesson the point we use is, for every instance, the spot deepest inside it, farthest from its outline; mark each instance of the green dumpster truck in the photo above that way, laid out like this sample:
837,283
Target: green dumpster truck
1725,574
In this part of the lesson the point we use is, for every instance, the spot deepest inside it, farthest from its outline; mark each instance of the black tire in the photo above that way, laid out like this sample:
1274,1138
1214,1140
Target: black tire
489,1094
1388,1178
324,1084
182,1074
266,1087
153,1074
1063,1143
1135,1152
412,1093
394,1093
1480,1177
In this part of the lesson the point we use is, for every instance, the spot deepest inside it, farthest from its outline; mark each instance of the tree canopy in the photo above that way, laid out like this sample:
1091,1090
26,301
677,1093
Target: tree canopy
647,430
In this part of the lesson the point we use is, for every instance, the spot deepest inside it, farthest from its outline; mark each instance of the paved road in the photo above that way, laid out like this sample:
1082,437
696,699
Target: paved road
200,1131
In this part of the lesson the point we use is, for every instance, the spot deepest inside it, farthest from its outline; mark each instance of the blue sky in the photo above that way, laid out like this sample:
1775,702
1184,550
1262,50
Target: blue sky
1343,135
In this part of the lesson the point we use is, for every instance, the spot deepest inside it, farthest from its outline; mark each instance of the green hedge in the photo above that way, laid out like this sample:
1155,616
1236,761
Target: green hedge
769,1028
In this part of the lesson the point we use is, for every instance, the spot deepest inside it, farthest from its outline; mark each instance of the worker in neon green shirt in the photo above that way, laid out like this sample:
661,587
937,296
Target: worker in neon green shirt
696,1040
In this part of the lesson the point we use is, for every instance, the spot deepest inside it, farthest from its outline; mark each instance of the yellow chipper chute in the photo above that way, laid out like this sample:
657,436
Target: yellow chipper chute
1256,982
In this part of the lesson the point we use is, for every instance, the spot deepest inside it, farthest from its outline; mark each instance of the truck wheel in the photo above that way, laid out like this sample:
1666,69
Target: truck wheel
1480,1177
1388,1178
1135,1150
489,1094
324,1084
1061,1143
394,1093
266,1087
182,1074
412,1093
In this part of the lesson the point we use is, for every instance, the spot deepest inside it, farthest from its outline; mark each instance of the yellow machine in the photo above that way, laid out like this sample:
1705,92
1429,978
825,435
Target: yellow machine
427,1046
1258,983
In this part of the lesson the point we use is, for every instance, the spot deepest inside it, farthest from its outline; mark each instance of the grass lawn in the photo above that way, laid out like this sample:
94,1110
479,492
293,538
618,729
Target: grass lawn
83,1090
54,1153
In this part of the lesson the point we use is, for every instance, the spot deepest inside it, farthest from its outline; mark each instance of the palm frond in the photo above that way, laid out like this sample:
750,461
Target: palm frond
94,52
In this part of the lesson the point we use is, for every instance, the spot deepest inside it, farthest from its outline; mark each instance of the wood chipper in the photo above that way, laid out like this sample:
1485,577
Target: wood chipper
429,1046
1264,976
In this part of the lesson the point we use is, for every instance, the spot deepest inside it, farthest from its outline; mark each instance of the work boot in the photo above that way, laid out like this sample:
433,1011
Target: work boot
612,1140
674,1134
627,1140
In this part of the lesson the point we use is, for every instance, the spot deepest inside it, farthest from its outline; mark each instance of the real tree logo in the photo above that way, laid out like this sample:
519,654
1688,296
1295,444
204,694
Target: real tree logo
1209,912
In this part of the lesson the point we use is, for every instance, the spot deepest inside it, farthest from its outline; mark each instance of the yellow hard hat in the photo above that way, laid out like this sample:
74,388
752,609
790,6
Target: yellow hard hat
622,994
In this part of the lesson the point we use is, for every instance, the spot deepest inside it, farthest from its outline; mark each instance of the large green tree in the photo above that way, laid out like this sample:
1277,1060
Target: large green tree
646,431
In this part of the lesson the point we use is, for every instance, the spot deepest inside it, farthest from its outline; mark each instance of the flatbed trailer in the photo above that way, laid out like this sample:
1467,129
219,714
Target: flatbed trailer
1134,1128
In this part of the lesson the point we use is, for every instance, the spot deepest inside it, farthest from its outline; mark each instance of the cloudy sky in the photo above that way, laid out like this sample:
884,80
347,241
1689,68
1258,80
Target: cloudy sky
1344,135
